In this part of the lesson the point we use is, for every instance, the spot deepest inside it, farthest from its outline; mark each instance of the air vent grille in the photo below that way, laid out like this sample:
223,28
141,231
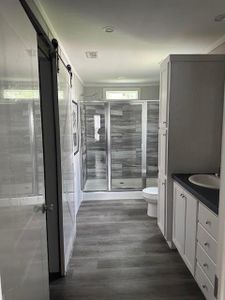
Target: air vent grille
91,54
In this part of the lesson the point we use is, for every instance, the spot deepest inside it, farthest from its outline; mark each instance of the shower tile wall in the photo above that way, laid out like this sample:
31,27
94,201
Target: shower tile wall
126,140
152,139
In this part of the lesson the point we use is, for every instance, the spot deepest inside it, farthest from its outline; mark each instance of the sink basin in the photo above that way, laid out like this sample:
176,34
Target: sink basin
208,181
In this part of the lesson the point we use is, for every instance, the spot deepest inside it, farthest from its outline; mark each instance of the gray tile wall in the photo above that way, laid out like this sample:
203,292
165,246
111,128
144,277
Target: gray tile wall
126,134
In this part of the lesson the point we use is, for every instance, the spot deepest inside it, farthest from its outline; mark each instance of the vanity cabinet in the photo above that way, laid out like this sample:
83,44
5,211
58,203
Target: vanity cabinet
190,123
206,250
185,225
195,229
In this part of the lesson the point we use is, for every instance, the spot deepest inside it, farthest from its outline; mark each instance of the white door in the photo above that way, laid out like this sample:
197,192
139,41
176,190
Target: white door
161,207
23,243
163,117
179,206
190,232
163,152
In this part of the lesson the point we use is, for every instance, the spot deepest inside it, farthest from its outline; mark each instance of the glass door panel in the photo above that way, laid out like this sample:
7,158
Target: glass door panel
126,145
23,241
94,144
152,142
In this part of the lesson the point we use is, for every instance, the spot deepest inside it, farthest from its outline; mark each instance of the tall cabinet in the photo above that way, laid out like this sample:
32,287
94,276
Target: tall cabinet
190,123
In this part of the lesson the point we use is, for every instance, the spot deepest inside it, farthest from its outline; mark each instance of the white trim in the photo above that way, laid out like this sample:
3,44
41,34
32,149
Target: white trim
87,196
124,85
53,32
220,265
216,44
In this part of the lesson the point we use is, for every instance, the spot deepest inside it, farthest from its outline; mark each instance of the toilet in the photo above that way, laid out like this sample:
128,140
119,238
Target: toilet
150,195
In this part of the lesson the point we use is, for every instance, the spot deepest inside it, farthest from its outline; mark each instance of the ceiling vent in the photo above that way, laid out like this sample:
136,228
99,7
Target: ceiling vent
91,54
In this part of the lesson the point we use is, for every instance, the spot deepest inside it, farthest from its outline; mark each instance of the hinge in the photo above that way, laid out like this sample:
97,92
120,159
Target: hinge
216,282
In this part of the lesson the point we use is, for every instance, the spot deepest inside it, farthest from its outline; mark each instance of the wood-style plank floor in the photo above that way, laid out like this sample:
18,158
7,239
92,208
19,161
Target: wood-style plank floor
120,254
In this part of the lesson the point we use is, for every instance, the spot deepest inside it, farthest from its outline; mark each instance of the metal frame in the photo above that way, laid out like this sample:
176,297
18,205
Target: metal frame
144,125
144,142
108,145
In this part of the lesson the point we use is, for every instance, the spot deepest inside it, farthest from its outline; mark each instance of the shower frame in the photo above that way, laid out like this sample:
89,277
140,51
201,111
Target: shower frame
144,120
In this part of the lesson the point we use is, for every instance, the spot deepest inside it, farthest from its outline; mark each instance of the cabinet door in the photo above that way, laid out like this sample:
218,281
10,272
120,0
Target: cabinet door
163,121
190,232
179,202
161,204
162,152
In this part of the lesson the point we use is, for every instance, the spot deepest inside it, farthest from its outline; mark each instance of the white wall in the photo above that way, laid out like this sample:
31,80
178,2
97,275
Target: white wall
150,92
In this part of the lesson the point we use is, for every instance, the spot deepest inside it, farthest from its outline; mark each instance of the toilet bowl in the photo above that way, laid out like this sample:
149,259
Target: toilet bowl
150,195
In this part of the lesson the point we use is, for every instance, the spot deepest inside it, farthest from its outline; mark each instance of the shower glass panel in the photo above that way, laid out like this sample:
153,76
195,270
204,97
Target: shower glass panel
126,145
152,142
93,120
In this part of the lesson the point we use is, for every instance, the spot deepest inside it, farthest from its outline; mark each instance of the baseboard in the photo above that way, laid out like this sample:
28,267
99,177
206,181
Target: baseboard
87,196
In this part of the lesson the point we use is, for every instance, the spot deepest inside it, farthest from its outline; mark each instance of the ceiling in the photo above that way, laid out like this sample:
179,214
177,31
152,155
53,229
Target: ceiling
146,31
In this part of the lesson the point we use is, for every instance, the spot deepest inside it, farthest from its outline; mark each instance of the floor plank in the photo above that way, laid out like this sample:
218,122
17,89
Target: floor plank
120,254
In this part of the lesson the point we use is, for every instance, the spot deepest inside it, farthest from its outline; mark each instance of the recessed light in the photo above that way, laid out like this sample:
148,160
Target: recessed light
91,54
108,29
220,18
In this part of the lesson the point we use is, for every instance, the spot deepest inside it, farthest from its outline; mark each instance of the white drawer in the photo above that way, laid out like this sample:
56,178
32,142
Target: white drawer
208,220
204,284
206,263
207,242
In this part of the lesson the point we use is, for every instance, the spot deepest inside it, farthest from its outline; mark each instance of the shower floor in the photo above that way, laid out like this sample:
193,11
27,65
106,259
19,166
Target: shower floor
119,183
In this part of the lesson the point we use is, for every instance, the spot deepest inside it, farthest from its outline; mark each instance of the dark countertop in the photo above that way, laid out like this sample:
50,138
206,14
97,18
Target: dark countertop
209,197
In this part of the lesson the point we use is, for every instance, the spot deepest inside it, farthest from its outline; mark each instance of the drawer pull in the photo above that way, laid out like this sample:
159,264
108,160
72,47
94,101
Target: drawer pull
205,287
205,265
208,222
206,244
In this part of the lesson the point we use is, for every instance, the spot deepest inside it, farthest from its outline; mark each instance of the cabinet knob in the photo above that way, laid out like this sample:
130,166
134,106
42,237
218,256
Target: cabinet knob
207,222
206,244
205,265
205,287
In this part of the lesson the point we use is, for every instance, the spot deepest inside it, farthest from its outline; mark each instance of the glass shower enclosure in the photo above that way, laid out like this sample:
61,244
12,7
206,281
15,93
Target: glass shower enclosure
119,144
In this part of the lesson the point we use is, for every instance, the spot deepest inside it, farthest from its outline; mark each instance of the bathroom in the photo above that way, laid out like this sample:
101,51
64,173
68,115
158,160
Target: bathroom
112,150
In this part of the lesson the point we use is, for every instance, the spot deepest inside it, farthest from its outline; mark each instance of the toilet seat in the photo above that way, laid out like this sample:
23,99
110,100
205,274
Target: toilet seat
151,194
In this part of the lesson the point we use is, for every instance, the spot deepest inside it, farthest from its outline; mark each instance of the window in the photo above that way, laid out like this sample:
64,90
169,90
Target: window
121,95
24,94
